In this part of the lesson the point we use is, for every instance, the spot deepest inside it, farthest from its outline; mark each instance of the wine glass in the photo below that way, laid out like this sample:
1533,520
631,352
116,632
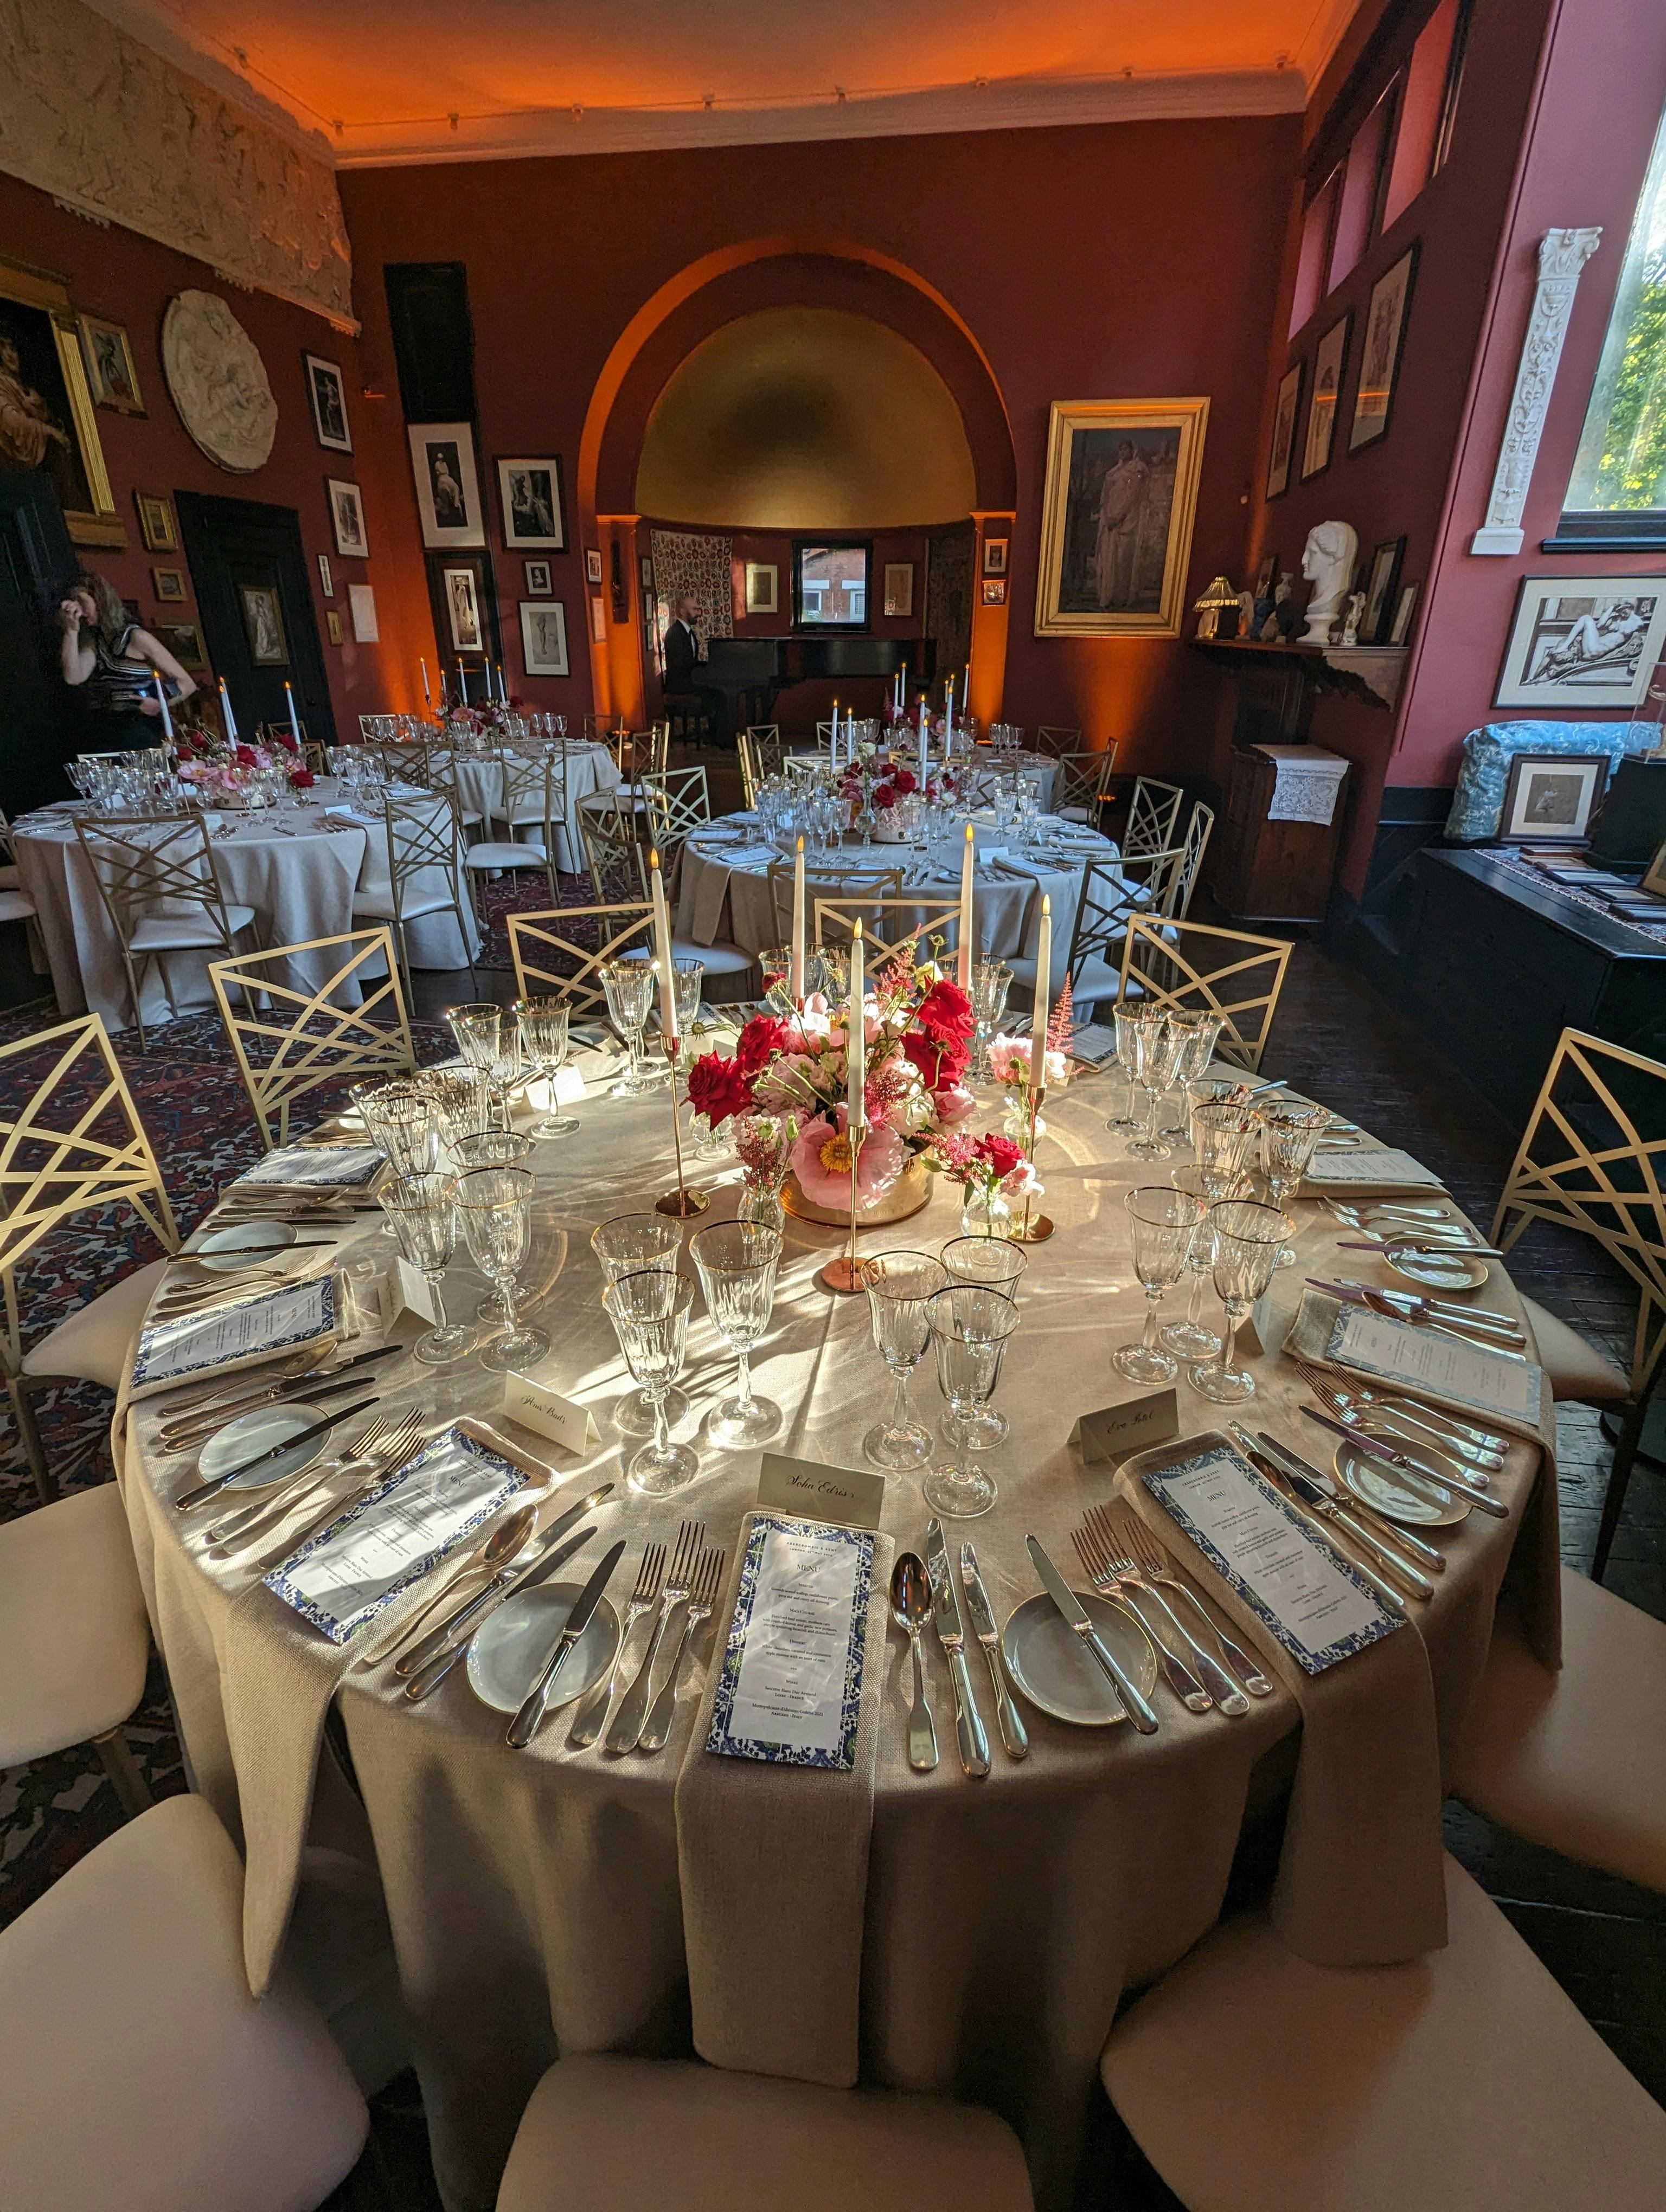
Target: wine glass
1189,1338
898,1284
1158,1046
476,1028
629,985
688,982
1199,1032
495,1207
970,1327
544,1038
630,1245
400,1120
1290,1137
1249,1236
463,1102
991,980
649,1312
993,1263
737,1261
422,1214
1127,1059
491,1148
1222,1138
1163,1223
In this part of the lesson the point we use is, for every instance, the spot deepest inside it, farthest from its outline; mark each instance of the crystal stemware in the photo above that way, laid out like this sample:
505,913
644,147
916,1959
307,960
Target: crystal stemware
629,985
399,1118
991,980
464,1104
632,1244
495,1207
1189,1337
737,1261
422,1215
1289,1138
898,1285
688,984
1223,1137
543,1040
1163,1223
1199,1032
1158,1046
995,1264
1248,1239
970,1327
649,1312
1127,1060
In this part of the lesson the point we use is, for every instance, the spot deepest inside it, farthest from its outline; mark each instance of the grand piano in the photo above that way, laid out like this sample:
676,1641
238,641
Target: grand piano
752,670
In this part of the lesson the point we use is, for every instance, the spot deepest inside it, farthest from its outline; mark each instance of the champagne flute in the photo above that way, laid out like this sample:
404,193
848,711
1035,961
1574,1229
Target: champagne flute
629,985
1289,1138
422,1215
737,1260
543,1039
631,1244
1249,1236
1158,1046
1163,1223
970,1326
991,980
495,1207
649,1312
898,1285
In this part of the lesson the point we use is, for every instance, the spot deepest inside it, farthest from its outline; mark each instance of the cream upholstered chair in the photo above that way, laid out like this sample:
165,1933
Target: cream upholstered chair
139,2070
1586,1164
1153,813
614,2135
1193,965
75,1143
534,799
1462,2081
421,841
298,1040
157,884
1083,783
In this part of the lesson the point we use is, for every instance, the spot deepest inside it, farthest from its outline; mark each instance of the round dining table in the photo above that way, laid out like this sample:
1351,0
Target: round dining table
591,768
923,1931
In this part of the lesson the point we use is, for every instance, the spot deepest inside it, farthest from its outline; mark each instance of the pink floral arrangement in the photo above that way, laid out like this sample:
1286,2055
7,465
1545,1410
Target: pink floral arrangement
1010,1056
989,1163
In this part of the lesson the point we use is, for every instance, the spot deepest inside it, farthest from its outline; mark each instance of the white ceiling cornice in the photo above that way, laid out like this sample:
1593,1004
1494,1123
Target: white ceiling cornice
157,24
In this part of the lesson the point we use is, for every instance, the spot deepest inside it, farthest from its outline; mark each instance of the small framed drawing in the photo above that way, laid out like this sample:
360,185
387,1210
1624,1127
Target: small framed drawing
899,583
157,522
1401,628
537,574
333,626
763,588
1265,573
529,493
1330,360
645,568
1655,880
262,625
463,608
1551,797
326,388
447,488
1587,641
544,637
185,641
327,581
1379,358
110,375
592,564
1285,413
995,551
347,516
598,619
1379,591
362,599
169,585
995,591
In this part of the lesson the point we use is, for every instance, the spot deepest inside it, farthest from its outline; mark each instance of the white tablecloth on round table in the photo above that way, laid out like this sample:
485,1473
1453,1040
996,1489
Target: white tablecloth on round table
589,769
1039,770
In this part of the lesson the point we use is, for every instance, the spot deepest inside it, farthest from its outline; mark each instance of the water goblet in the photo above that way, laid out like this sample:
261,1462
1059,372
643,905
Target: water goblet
688,982
495,1207
543,1039
1159,1048
464,1105
1163,1223
476,1028
1199,1032
1249,1236
649,1312
423,1216
399,1118
898,1284
991,980
490,1148
1222,1138
633,1244
1207,1090
1290,1137
629,985
969,1325
737,1260
1127,1059
995,1264
1189,1337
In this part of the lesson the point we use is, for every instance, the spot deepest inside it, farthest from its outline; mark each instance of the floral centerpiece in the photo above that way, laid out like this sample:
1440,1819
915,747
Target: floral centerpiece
236,775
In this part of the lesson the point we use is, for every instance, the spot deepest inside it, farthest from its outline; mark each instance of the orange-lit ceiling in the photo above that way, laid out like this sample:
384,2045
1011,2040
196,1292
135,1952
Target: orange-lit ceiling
399,81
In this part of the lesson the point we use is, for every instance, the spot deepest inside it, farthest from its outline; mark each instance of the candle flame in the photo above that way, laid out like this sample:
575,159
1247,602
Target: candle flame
800,844
654,860
857,933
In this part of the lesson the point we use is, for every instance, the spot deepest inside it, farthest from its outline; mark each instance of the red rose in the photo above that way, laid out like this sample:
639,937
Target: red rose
301,779
945,1013
884,796
717,1087
244,756
903,781
287,741
1002,1154
762,1038
939,1064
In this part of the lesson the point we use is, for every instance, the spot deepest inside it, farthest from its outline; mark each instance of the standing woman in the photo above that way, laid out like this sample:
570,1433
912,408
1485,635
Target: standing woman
118,663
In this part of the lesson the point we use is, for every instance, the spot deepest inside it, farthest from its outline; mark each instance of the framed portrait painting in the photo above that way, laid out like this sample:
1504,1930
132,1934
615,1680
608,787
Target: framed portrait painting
1116,517
1285,412
347,517
763,588
47,418
1401,628
1585,642
463,610
111,376
169,585
544,637
326,388
1379,591
1551,797
1330,360
995,551
262,625
447,484
899,587
1379,358
529,493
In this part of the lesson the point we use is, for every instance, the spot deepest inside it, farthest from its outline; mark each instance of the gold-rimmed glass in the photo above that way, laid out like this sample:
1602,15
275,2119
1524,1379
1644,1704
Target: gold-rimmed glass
1248,1238
544,1024
494,1206
898,1285
737,1260
632,1244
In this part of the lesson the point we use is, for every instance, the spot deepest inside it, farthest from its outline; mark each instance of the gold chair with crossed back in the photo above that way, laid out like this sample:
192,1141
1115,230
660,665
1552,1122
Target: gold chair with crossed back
535,799
560,955
420,836
760,756
1083,784
299,1038
889,919
1153,814
611,829
1112,892
678,800
1050,738
1181,877
159,889
74,1144
1193,966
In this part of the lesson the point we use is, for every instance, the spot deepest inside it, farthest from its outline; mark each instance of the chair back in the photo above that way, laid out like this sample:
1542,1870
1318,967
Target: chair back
1152,813
419,832
75,1142
1112,893
678,800
152,867
290,1039
760,756
1050,738
613,847
889,919
1083,780
561,953
1191,965
1182,876
535,792
1592,1160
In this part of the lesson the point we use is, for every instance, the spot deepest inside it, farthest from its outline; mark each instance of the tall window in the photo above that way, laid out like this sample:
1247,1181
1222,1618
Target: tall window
830,584
1617,495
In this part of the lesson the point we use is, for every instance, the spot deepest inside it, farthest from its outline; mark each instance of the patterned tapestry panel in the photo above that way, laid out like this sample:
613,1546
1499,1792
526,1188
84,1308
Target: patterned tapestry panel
684,561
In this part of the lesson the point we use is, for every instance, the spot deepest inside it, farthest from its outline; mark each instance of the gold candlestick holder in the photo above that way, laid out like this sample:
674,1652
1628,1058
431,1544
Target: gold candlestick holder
847,1275
681,1203
1035,1228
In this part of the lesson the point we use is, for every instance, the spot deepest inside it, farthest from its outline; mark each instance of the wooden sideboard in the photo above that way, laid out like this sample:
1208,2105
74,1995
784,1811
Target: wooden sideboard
1272,871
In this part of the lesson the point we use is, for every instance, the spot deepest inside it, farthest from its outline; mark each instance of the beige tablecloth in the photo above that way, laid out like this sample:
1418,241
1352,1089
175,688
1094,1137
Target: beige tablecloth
535,1900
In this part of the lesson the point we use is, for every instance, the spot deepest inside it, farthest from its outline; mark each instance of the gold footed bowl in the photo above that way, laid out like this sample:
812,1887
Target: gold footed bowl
908,1194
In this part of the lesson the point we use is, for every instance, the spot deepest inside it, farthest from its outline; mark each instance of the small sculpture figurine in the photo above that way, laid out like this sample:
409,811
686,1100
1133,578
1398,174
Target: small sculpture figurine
1246,614
1356,608
1281,620
1328,560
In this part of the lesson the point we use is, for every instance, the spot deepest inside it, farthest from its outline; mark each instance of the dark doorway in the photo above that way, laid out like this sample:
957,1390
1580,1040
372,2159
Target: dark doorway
254,595
40,727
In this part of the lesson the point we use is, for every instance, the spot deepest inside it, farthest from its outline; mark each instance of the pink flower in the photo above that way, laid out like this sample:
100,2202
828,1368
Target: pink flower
821,1161
1009,1058
954,1102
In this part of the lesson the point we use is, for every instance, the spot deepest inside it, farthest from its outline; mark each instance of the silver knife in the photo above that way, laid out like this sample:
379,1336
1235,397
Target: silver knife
1013,1734
951,1635
1374,1447
1313,1490
202,1491
1339,1494
1272,1469
426,1679
1136,1706
507,1578
525,1724
312,1388
1465,1316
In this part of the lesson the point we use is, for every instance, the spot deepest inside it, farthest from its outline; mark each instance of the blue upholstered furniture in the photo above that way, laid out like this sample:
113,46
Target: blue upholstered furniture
1478,801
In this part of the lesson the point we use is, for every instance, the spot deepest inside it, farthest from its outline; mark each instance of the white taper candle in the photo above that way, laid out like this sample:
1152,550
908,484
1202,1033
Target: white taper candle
161,700
795,977
1043,984
856,1037
662,952
225,710
294,724
964,963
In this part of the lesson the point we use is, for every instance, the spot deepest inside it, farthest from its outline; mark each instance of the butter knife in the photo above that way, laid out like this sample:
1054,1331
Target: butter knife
1374,1447
1074,1612
1309,1486
426,1679
1013,1734
527,1722
202,1491
951,1635
507,1579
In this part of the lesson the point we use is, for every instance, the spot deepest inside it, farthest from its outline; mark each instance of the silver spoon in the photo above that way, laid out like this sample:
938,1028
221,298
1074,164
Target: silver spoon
503,1543
910,1608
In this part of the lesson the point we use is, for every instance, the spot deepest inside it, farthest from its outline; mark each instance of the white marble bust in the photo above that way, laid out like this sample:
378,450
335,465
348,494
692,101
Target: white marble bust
1328,560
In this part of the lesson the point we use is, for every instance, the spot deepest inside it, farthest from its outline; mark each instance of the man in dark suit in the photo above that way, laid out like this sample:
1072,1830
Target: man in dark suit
684,655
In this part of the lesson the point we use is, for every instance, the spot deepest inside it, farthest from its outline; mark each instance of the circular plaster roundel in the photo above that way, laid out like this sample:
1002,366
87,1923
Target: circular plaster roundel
217,381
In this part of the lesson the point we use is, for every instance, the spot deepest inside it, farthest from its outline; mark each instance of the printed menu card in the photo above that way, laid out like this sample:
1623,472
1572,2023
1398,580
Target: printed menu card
348,1166
234,1334
1427,1359
792,1678
1370,1170
1297,1586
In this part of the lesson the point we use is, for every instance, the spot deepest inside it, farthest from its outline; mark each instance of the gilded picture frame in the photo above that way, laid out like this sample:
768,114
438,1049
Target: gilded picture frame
41,359
1118,514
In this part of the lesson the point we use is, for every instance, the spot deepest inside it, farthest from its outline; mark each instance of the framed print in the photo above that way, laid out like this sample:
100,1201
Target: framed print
1585,641
347,513
598,619
645,570
46,415
361,600
1379,591
463,608
169,585
157,522
995,551
1655,879
1379,358
899,587
1401,628
326,388
592,564
544,637
327,581
995,591
333,626
1116,517
111,376
1265,573
763,588
447,487
1330,359
537,574
185,641
529,493
262,625
1285,412
1551,797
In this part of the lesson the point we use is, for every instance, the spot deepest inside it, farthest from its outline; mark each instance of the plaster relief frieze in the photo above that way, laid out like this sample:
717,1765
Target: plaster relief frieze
1562,255
218,381
117,134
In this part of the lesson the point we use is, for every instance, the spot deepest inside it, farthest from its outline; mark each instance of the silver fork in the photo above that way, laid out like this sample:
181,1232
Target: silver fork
702,1596
1156,1565
1118,1540
387,1459
1089,1549
592,1716
366,1453
626,1730
1462,1440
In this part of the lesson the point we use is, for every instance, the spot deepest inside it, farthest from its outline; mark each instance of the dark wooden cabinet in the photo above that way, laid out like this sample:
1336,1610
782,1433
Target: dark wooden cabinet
1272,871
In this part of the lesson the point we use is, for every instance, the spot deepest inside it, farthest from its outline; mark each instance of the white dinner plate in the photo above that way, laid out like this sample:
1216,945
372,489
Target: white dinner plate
267,1237
508,1654
1387,1490
1057,1671
1439,1271
257,1433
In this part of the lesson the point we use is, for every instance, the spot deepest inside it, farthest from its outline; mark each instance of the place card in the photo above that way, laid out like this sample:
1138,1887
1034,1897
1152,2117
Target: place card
236,1334
1116,1431
536,1406
1428,1360
852,1497
351,1571
1257,1331
349,1165
402,1289
791,1685
1383,1169
1301,1591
